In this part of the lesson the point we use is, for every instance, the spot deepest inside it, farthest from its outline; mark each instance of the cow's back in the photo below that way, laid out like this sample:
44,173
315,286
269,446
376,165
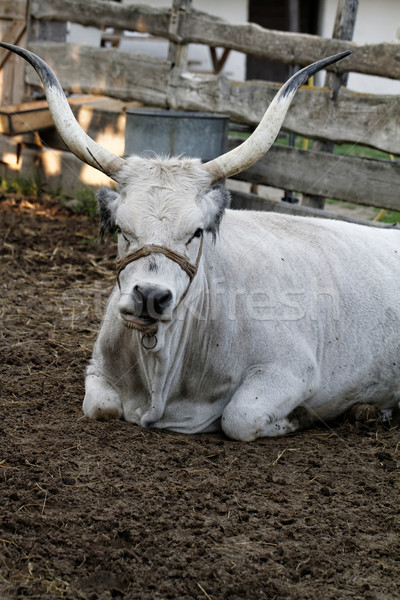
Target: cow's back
334,285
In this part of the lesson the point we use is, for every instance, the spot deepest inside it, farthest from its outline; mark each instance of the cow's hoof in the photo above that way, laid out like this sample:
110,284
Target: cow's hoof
365,413
105,413
102,410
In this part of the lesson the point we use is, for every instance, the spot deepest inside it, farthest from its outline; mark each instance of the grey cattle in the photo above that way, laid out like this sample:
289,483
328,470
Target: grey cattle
250,322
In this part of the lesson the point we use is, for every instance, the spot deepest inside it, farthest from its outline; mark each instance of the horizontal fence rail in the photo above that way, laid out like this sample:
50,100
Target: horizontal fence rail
107,71
290,48
245,201
352,179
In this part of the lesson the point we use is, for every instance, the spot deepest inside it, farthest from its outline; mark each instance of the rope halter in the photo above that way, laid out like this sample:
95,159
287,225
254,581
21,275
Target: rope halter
189,268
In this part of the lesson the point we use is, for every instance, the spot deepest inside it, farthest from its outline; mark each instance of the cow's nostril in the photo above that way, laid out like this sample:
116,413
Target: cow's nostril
162,300
139,298
138,293
150,302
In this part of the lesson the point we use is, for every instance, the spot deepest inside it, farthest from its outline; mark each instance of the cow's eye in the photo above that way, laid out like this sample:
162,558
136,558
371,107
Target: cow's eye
197,233
123,235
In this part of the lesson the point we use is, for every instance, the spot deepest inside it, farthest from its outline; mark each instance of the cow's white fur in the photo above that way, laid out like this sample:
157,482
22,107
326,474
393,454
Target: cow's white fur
284,312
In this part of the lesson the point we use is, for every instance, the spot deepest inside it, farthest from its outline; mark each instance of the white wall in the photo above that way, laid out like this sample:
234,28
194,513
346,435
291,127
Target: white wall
78,34
234,11
377,21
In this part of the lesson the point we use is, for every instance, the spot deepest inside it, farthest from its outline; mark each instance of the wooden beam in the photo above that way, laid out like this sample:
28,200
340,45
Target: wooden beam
13,9
290,48
219,62
33,116
343,29
363,119
12,35
243,201
99,13
177,53
106,71
352,179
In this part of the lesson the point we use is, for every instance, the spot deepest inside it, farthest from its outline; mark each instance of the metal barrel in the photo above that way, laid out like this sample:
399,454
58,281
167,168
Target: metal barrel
172,133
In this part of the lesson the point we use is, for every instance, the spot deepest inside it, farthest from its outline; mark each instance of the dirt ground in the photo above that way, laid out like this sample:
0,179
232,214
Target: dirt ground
98,510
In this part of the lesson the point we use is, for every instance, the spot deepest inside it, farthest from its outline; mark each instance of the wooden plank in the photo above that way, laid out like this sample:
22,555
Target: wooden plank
12,35
363,119
99,13
177,53
40,104
12,86
32,116
23,122
343,29
352,179
102,118
197,27
106,71
243,201
290,48
13,9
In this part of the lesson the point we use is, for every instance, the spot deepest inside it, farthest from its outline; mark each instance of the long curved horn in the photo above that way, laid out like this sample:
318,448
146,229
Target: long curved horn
254,148
67,126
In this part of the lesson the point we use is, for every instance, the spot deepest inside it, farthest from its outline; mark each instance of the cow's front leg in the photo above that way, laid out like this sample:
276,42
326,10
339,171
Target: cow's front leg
101,401
265,403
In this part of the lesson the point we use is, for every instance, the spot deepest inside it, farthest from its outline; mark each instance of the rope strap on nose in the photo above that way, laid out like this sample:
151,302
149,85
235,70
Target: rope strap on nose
181,260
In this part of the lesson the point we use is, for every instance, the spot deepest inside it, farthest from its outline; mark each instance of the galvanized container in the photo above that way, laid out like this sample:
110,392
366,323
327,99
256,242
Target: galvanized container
172,133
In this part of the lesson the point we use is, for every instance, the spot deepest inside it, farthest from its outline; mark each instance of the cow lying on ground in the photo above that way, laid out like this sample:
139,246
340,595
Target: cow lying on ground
250,322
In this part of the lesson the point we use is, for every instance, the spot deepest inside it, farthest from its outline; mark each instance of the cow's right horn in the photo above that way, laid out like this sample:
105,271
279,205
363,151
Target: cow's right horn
254,148
67,126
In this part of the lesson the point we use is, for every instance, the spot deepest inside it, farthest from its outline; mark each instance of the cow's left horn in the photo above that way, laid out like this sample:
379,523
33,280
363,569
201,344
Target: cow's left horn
67,126
254,148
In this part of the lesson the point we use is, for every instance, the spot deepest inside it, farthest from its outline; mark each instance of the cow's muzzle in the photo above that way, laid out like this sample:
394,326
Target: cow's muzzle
151,303
149,306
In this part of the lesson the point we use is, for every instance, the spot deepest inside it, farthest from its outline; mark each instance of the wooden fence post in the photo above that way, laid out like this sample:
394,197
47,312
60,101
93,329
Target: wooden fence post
13,16
343,29
177,53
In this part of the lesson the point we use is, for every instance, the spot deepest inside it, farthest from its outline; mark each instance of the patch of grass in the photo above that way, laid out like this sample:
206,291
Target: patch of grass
83,202
391,216
283,140
20,186
348,205
340,149
86,202
361,151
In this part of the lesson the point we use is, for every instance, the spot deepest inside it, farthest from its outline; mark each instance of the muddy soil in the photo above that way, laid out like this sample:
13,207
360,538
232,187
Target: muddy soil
99,510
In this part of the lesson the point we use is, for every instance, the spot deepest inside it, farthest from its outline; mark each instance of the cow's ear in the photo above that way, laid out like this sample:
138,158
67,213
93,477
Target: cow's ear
108,201
214,204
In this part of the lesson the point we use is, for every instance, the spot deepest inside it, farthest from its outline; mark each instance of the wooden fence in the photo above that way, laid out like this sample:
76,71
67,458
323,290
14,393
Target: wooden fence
370,120
13,23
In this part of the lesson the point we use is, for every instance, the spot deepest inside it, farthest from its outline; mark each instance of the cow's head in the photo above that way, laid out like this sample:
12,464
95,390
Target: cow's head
162,213
163,204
